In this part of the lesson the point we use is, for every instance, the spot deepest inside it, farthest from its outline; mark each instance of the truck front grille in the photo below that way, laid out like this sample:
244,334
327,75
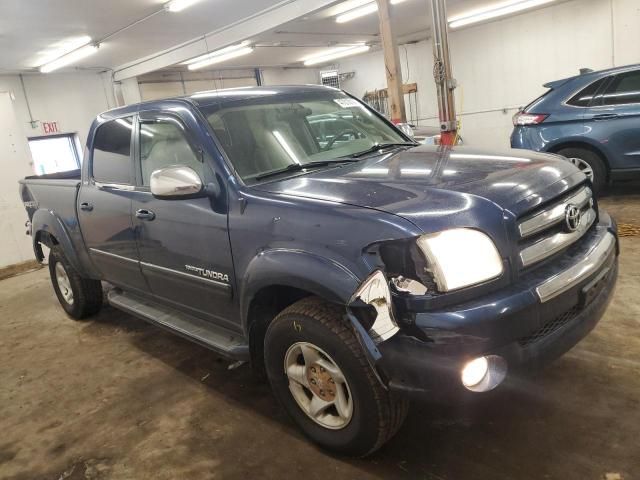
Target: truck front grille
551,230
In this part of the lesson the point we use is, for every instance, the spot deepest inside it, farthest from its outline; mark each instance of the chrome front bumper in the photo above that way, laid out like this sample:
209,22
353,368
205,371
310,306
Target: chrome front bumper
588,265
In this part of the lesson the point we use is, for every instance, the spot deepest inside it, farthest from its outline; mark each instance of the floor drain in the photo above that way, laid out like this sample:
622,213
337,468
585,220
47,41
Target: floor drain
628,230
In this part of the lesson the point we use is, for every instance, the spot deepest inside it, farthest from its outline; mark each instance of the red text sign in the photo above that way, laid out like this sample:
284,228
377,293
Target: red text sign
50,127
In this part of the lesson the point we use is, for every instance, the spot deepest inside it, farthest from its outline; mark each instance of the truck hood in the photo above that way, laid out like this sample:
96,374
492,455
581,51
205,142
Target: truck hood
428,185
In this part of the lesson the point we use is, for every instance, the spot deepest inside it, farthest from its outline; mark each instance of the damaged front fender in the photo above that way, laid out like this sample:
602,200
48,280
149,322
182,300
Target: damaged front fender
375,291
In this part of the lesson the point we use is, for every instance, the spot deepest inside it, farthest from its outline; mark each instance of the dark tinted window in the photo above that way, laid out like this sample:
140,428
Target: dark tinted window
584,96
112,152
163,144
624,89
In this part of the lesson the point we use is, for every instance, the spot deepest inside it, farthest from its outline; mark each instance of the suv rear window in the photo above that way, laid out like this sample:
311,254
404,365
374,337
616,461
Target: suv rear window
584,97
111,161
624,89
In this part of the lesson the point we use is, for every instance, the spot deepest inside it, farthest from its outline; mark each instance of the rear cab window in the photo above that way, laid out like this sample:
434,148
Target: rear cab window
111,158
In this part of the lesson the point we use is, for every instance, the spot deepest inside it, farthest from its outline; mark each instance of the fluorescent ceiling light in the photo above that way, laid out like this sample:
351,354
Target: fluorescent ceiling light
60,48
335,53
219,58
69,58
222,51
493,11
178,5
361,11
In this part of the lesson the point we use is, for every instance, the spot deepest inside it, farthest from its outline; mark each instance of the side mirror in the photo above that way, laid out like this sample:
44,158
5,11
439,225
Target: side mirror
176,182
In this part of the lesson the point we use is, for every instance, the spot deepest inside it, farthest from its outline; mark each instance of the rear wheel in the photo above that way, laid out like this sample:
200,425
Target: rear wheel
80,297
320,375
589,163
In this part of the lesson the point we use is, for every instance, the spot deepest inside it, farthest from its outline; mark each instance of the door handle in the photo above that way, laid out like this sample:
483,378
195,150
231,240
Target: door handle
605,116
86,206
144,214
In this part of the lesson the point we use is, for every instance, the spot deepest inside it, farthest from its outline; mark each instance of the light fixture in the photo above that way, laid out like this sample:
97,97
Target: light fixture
493,11
335,53
69,58
178,5
361,11
219,58
222,51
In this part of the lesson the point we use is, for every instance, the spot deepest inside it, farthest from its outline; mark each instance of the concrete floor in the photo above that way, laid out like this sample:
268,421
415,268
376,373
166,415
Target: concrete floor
115,398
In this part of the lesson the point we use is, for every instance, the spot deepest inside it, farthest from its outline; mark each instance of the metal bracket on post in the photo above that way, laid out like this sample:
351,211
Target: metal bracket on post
445,83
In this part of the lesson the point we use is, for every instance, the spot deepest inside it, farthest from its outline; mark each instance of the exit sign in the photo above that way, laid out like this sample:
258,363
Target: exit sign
50,127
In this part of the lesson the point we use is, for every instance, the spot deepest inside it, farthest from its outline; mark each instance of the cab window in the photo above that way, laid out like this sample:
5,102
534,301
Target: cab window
111,159
163,144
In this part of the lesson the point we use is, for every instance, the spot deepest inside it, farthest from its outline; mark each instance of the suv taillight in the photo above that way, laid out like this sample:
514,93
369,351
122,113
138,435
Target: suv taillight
522,118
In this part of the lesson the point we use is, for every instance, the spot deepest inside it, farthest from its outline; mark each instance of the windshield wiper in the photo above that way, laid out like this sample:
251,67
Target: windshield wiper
380,146
296,167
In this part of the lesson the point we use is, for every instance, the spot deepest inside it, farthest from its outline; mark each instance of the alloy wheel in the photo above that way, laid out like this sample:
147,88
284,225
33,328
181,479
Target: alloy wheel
64,284
583,166
318,385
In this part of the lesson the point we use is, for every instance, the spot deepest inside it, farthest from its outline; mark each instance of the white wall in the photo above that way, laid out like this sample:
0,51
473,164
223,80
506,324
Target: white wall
503,64
73,100
290,76
15,246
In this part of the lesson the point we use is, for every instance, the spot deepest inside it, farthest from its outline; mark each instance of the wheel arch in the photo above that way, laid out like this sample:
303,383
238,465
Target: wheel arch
278,278
49,230
555,148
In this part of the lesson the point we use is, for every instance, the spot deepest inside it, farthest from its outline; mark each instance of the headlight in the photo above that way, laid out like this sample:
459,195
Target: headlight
460,257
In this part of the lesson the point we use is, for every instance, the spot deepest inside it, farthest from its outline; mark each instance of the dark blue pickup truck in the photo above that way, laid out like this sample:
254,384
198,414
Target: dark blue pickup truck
296,228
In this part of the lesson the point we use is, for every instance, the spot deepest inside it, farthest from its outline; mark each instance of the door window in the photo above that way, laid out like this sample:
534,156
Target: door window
163,144
584,97
111,160
624,89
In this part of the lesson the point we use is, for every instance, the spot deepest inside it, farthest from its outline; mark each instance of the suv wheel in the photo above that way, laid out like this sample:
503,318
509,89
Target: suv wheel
321,377
590,164
80,297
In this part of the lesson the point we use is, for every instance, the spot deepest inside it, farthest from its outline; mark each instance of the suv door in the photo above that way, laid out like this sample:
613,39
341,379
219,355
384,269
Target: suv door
104,205
184,244
614,118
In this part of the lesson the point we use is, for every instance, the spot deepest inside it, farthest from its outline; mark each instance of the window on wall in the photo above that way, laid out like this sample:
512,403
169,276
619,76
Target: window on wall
55,153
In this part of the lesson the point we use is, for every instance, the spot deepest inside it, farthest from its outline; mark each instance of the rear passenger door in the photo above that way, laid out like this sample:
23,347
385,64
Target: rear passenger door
104,205
614,119
183,243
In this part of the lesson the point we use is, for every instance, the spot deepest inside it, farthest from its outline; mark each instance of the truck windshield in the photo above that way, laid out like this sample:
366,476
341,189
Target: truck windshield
269,133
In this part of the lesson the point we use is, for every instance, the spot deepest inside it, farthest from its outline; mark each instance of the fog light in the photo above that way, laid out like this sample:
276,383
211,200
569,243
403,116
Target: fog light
484,373
474,371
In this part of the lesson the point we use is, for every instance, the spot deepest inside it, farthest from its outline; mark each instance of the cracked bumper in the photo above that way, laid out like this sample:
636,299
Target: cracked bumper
528,329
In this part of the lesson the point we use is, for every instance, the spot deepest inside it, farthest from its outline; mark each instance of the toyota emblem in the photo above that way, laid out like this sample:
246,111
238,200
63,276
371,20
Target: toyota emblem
572,216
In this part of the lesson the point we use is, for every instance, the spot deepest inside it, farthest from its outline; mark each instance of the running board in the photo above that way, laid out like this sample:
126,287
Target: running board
218,339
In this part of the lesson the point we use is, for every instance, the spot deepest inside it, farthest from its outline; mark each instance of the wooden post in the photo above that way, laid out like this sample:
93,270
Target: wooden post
391,64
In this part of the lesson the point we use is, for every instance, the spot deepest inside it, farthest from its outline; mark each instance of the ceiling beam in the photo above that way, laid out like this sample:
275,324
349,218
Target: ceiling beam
256,24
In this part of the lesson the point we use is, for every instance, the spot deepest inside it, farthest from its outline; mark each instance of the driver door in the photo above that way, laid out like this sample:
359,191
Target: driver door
183,243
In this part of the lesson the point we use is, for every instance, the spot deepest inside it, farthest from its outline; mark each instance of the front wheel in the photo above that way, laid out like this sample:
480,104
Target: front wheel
320,375
79,296
590,164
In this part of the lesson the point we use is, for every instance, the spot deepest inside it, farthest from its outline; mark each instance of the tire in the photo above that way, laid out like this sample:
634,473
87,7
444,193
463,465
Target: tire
375,414
80,297
581,156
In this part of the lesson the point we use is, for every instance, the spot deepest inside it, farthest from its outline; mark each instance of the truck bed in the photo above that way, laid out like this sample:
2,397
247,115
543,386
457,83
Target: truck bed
68,175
